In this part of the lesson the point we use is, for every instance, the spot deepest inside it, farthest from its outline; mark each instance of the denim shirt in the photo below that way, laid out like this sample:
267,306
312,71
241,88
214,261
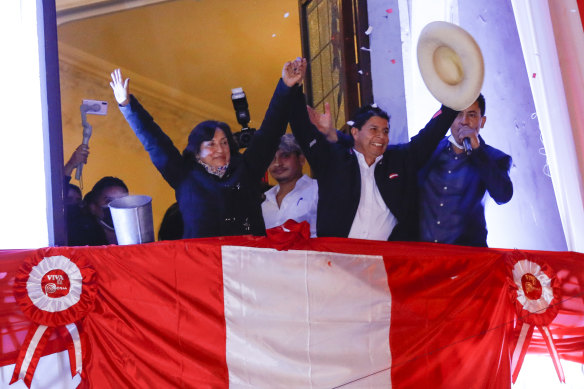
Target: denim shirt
452,192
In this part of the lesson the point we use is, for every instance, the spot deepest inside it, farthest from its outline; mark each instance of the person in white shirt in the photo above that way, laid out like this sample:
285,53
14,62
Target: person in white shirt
296,195
367,189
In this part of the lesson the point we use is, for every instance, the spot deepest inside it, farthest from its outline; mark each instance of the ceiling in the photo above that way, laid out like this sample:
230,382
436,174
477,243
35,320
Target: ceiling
199,48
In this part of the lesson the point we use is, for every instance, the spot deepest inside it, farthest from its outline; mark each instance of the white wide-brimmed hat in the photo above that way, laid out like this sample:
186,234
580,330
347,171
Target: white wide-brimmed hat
451,64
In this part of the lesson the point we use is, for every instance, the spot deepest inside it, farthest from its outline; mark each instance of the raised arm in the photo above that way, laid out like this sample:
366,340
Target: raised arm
425,142
323,122
265,141
120,87
314,143
79,156
162,151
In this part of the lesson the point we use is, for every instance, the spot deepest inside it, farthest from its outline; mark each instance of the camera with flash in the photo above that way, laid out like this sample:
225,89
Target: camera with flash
243,137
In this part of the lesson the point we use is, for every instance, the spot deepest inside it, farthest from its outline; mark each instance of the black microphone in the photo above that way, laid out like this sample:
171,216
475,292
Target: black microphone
467,146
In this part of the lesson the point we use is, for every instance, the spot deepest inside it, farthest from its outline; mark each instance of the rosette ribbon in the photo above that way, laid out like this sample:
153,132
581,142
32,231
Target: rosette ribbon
55,292
535,292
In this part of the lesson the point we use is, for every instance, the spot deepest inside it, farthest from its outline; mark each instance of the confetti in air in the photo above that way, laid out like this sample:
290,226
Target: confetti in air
533,75
360,71
393,61
365,49
286,14
389,10
369,31
351,123
374,105
273,35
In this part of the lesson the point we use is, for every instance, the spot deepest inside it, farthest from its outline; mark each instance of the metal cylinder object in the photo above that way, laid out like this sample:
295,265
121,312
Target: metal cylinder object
132,216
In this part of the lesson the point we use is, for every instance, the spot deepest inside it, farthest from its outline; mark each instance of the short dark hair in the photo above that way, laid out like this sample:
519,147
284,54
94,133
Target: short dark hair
89,198
103,184
205,131
481,102
74,188
365,113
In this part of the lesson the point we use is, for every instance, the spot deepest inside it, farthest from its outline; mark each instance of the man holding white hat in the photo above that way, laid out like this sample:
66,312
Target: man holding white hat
454,181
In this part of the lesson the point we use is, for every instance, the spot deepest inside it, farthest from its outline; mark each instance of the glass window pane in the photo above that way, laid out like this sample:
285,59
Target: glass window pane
316,77
324,24
339,118
327,81
313,32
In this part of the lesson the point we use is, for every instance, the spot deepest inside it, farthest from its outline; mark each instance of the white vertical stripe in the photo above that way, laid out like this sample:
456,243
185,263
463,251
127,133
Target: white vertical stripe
554,352
519,346
72,328
34,342
544,70
305,319
24,211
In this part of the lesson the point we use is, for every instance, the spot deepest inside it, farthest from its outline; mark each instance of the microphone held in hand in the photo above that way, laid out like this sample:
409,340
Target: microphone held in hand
467,146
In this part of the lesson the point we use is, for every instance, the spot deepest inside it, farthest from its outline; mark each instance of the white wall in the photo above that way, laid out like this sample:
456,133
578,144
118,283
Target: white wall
23,199
531,219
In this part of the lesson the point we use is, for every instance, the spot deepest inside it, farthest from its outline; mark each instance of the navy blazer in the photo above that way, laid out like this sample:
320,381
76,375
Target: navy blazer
211,205
339,179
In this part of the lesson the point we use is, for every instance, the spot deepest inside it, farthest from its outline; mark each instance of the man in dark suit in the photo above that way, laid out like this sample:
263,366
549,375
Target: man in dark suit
369,190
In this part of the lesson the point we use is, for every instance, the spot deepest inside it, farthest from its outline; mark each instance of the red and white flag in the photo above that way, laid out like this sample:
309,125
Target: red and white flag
321,312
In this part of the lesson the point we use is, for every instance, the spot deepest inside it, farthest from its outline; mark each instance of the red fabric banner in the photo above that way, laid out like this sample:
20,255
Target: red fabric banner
159,315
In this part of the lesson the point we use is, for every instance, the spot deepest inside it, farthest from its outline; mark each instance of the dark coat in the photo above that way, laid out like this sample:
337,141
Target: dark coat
339,178
213,206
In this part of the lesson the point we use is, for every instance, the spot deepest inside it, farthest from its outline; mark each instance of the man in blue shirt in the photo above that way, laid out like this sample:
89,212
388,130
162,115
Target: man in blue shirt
452,184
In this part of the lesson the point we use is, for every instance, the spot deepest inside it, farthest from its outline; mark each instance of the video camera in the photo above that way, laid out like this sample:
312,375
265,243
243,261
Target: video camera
243,137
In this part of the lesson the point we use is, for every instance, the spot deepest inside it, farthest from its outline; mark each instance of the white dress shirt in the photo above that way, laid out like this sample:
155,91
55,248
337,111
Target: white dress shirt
299,205
373,219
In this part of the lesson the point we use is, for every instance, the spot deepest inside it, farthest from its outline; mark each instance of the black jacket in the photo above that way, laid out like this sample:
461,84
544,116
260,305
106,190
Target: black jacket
213,206
339,179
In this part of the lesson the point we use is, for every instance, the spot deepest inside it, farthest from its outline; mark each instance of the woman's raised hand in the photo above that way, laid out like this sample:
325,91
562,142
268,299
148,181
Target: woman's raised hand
120,87
294,71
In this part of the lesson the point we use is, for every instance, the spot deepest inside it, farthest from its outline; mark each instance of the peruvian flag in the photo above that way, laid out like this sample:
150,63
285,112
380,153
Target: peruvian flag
288,311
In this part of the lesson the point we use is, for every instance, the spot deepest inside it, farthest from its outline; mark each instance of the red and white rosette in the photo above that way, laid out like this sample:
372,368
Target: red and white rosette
54,289
535,292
